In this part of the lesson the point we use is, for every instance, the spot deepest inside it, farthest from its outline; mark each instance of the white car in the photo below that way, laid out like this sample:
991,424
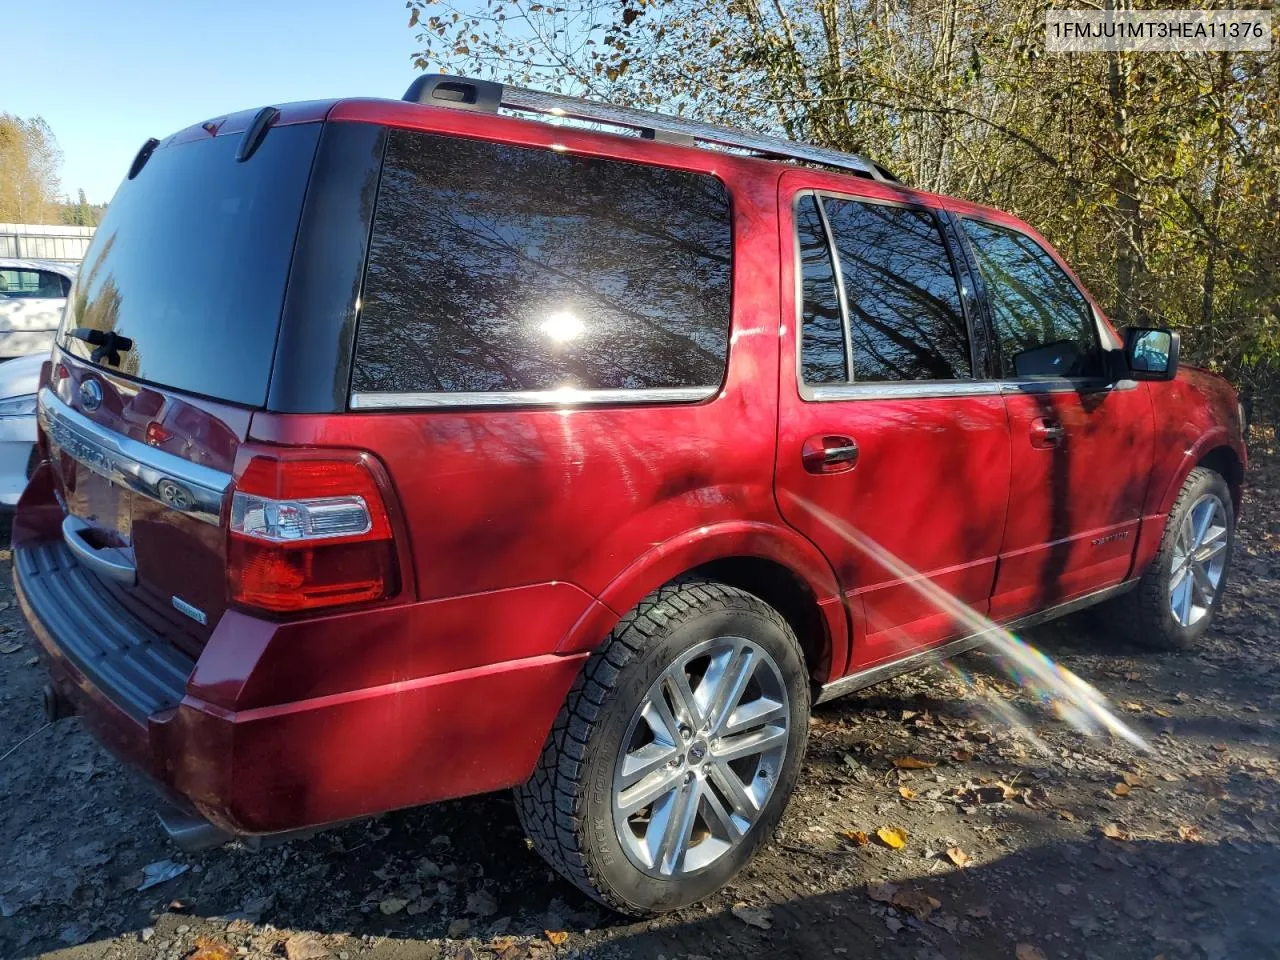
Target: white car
32,295
18,382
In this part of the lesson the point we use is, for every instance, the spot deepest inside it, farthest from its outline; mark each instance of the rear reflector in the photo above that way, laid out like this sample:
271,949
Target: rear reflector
308,533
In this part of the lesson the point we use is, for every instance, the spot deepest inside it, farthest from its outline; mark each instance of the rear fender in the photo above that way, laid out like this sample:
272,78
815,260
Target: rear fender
694,548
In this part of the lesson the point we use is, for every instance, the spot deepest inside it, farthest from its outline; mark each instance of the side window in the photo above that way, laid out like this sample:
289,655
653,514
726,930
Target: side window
1043,323
43,284
905,317
822,347
502,268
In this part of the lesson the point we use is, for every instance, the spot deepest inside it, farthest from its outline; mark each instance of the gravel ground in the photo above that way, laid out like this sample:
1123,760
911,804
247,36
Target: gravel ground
1086,848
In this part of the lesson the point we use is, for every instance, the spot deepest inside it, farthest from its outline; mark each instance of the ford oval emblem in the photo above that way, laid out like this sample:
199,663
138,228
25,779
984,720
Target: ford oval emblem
90,394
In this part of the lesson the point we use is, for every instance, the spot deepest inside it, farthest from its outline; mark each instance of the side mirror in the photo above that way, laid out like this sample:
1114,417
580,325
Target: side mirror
1151,353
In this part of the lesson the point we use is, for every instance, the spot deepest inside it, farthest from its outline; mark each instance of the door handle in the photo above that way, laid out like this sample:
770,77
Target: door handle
113,563
1046,432
829,454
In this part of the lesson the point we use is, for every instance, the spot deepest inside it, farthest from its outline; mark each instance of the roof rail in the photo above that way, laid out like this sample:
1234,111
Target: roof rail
486,96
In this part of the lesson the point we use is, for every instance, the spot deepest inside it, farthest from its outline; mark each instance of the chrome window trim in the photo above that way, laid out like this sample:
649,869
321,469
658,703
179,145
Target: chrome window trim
1064,385
178,484
901,390
568,397
842,298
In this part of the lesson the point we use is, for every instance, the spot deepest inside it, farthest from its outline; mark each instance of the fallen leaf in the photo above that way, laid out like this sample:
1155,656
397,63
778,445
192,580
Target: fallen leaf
1067,815
957,856
1037,798
753,916
913,763
1121,789
481,904
917,902
393,905
893,837
209,949
961,756
1189,834
881,892
304,946
458,928
1025,951
997,792
1161,712
1132,779
980,912
906,793
857,837
1113,831
557,937
1133,706
10,647
945,922
1131,676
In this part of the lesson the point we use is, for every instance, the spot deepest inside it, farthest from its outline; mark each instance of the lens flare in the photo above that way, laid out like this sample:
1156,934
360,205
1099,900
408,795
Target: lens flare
1074,700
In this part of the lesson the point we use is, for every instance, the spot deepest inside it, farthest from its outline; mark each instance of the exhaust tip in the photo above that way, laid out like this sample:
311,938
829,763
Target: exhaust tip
190,831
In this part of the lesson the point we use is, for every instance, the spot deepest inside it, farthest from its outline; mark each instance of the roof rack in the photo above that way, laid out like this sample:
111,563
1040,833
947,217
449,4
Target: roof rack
486,96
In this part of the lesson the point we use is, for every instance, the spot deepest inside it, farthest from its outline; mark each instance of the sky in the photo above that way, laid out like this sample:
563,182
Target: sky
108,74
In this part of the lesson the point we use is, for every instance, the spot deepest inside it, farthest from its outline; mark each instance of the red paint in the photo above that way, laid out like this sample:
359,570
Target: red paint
521,536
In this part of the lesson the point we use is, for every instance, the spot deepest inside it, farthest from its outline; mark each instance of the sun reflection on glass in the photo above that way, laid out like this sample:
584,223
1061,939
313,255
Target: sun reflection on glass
562,326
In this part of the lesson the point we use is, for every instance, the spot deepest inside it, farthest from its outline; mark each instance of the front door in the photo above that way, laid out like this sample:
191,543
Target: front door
892,457
1081,446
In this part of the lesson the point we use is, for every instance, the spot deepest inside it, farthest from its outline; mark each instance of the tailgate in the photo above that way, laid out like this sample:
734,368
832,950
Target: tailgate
142,473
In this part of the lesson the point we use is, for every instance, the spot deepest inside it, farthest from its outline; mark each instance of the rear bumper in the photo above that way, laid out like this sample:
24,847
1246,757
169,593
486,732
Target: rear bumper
283,726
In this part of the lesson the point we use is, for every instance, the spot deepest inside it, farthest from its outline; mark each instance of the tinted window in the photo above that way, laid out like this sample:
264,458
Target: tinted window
32,284
499,268
191,261
905,317
1043,323
822,354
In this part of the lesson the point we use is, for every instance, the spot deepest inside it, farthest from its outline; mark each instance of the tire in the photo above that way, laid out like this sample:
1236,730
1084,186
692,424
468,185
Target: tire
573,809
1146,615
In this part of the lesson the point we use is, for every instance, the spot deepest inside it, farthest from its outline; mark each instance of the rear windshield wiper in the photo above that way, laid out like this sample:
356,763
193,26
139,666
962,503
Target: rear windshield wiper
108,344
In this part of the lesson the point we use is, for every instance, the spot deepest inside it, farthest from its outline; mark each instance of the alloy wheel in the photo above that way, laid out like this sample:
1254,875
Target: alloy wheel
1199,559
701,757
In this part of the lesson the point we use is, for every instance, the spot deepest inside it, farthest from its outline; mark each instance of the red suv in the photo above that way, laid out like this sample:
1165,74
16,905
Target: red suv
396,451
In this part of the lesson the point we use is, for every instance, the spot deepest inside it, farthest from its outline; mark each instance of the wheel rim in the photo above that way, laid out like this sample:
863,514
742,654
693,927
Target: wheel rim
701,757
1199,559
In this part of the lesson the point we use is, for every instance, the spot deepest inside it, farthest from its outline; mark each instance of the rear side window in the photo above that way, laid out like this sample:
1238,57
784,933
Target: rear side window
22,284
1043,323
495,268
904,307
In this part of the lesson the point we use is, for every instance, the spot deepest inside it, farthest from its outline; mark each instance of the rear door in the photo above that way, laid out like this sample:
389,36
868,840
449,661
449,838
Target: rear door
166,351
1082,445
893,456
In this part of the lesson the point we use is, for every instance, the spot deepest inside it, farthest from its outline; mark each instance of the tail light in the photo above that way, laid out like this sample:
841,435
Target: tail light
309,533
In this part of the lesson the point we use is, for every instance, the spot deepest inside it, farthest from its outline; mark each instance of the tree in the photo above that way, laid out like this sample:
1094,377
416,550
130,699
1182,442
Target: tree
29,162
1157,175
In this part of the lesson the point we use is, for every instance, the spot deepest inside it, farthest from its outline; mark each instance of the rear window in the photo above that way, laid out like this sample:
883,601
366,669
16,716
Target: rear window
191,261
24,284
495,268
